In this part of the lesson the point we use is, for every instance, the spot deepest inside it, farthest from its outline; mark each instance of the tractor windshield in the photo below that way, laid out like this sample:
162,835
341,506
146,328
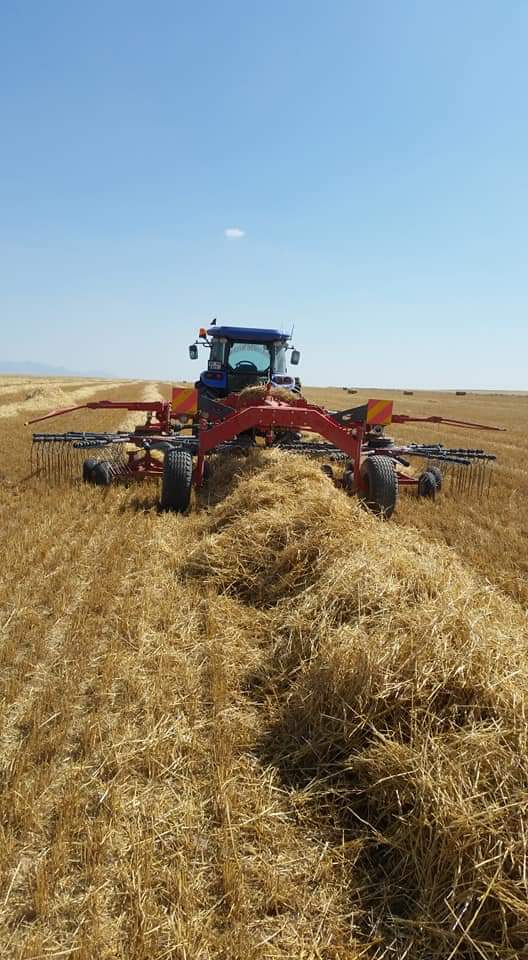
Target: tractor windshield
252,358
256,358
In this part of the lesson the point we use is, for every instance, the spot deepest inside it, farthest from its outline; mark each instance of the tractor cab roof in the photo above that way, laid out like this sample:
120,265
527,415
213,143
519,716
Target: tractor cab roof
248,334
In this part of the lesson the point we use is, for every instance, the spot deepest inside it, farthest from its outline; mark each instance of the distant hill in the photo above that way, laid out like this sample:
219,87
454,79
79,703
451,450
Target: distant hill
45,369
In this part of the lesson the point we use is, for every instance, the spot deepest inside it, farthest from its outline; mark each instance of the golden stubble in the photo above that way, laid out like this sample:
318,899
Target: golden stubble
275,727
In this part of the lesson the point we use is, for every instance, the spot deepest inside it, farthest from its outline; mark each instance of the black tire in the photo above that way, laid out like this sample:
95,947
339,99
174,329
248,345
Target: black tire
427,485
379,485
437,474
176,481
87,470
102,473
378,442
283,437
347,479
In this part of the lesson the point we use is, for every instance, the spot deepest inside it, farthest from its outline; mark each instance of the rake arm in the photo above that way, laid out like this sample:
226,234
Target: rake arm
434,418
159,407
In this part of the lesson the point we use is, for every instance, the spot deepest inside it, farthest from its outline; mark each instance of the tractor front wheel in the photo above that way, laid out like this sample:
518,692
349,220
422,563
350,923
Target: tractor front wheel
379,485
176,481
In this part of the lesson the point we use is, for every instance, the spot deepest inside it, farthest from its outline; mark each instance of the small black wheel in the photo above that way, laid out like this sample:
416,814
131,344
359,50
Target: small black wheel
286,437
427,485
87,470
102,473
176,481
347,479
437,474
379,485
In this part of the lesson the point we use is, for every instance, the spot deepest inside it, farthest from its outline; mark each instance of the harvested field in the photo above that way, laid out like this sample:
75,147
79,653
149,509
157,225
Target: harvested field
490,533
275,728
31,394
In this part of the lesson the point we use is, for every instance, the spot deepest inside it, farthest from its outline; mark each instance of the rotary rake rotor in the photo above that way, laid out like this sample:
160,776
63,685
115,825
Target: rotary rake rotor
178,437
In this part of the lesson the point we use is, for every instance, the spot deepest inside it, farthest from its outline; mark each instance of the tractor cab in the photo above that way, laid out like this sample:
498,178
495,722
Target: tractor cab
243,357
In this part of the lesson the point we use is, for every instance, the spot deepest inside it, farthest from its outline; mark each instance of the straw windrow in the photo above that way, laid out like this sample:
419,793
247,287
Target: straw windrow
394,685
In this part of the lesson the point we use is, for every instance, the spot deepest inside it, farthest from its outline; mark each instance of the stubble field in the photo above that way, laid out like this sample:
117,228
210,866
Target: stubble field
275,728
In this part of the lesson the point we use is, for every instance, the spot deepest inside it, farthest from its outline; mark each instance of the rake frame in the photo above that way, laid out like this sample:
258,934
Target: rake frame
352,436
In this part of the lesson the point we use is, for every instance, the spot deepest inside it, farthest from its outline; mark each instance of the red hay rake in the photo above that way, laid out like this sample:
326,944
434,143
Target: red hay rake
352,444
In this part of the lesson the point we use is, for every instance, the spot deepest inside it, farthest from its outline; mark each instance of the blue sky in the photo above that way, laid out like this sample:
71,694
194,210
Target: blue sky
374,154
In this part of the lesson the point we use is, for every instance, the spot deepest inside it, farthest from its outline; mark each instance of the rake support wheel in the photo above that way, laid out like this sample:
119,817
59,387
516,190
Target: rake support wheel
102,473
176,481
379,485
427,484
437,474
88,469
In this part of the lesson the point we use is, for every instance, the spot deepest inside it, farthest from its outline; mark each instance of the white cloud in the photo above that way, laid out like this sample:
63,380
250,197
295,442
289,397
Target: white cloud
234,233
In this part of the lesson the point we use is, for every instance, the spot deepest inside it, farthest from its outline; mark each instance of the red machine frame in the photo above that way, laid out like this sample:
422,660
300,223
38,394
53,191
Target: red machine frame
233,416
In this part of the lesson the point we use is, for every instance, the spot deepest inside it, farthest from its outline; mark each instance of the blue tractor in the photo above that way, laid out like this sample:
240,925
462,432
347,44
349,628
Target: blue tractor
244,357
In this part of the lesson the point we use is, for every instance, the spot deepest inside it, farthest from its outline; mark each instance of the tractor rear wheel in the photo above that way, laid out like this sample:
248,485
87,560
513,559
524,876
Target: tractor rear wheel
87,470
176,481
379,485
102,473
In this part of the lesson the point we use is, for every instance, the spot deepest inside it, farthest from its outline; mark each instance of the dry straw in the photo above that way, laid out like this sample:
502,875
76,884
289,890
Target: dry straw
276,728
397,681
254,395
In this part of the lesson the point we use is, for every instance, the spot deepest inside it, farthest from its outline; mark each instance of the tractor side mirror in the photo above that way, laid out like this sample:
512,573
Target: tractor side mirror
295,357
193,351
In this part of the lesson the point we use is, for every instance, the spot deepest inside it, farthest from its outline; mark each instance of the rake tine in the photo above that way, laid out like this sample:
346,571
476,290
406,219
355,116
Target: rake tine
460,488
59,458
463,480
469,479
458,480
481,469
52,466
455,471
